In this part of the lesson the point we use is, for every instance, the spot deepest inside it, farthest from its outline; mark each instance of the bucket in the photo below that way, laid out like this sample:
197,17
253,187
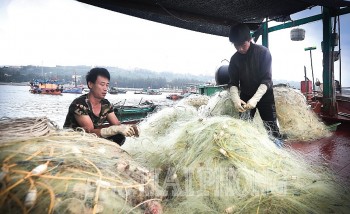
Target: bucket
297,34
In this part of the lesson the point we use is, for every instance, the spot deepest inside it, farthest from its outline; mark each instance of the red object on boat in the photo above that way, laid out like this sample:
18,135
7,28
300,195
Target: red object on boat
306,87
174,96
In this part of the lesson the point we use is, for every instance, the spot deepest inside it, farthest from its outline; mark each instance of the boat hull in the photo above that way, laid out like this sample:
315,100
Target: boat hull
45,87
46,91
133,113
73,90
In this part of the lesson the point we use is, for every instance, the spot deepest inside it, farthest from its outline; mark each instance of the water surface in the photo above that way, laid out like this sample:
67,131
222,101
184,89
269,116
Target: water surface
18,102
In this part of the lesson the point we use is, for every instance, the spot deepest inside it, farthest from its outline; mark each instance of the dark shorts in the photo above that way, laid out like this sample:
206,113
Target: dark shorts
267,111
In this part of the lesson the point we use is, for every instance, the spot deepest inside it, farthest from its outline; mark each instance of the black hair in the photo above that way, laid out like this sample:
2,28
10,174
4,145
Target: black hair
92,75
239,34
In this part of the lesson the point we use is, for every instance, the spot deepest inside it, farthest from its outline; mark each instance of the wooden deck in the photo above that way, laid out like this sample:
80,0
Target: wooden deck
334,151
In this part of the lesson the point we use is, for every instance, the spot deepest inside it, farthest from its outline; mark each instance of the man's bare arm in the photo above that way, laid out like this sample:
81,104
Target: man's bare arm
112,119
85,122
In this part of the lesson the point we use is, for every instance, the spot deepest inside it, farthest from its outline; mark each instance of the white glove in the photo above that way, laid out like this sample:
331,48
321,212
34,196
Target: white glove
256,98
125,130
236,100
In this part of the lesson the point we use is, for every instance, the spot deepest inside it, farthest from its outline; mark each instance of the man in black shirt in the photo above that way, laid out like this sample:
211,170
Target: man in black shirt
250,71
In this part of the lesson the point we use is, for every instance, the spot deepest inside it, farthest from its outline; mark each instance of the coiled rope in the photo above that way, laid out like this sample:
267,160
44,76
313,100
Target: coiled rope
26,127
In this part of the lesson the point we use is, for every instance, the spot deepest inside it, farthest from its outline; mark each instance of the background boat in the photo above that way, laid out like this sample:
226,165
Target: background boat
133,113
174,96
73,90
115,90
86,90
149,92
45,87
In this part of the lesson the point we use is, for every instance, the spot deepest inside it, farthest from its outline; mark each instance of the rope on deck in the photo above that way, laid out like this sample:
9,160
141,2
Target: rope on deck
26,127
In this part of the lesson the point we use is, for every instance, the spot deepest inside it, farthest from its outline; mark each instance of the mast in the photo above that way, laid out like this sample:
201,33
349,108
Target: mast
75,78
42,70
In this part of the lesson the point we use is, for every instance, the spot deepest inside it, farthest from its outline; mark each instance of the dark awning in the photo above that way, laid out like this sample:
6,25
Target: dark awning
211,16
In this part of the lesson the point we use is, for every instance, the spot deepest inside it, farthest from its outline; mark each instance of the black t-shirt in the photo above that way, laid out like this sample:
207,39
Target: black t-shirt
248,71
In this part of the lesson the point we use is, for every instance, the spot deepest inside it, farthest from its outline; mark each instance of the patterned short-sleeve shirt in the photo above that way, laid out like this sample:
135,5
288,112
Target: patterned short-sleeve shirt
82,106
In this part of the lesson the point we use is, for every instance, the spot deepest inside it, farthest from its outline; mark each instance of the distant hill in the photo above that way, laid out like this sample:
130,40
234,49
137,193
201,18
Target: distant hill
144,73
120,75
123,77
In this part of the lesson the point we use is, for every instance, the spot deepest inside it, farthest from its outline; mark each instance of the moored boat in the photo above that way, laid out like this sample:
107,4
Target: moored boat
149,92
115,90
174,96
73,90
86,90
45,87
133,113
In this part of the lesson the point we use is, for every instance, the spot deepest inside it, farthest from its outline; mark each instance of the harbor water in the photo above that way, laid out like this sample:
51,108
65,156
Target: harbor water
18,102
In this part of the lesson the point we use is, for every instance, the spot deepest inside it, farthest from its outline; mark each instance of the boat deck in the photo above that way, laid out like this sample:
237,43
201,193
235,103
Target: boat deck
333,151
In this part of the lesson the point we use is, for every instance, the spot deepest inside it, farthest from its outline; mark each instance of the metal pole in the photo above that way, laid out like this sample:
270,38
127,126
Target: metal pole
306,83
75,79
312,72
328,75
312,68
265,34
339,55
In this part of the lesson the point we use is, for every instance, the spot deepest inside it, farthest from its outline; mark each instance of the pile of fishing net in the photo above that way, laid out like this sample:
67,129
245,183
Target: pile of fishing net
219,104
199,152
221,164
195,100
165,121
72,172
295,118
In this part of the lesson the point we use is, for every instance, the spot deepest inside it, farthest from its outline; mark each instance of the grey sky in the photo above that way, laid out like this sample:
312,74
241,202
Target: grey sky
66,32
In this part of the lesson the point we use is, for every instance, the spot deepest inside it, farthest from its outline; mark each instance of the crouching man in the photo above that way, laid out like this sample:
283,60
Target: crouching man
91,111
